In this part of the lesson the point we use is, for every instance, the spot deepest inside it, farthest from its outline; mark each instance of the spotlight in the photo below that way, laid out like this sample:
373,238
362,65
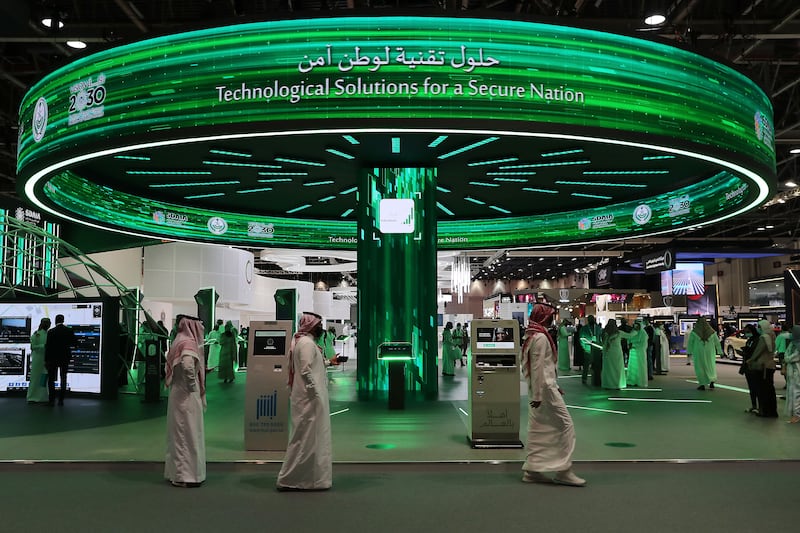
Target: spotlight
655,19
78,45
52,22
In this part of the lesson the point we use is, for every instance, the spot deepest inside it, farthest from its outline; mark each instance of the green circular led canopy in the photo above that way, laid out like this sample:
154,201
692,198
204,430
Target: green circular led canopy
259,134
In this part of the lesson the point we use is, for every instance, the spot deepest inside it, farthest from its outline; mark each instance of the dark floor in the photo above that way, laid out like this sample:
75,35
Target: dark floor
628,497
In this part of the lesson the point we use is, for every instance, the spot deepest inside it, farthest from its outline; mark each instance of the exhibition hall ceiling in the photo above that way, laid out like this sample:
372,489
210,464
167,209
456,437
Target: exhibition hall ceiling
759,38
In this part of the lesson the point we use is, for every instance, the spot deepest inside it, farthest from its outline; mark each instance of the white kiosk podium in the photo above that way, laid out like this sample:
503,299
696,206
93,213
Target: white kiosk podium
494,384
266,413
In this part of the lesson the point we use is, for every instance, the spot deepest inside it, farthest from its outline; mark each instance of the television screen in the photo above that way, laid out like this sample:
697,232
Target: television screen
269,342
666,283
688,279
495,339
15,330
17,320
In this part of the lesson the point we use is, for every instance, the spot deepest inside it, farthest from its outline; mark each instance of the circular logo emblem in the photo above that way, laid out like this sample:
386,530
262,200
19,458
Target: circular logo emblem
217,225
39,119
158,217
642,214
668,260
248,272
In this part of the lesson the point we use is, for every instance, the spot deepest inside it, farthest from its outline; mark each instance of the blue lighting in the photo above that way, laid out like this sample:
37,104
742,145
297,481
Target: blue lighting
483,184
492,162
334,151
601,184
230,153
553,164
192,184
348,191
584,195
296,209
474,200
275,180
327,199
350,139
133,157
468,147
513,180
315,183
204,195
395,145
442,189
346,213
299,161
563,152
506,211
248,191
533,189
237,164
437,141
443,208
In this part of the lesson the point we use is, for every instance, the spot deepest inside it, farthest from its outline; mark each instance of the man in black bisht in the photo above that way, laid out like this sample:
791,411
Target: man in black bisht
57,354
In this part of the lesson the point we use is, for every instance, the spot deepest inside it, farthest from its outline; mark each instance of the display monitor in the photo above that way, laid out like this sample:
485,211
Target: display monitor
688,279
15,329
685,325
269,342
18,322
495,338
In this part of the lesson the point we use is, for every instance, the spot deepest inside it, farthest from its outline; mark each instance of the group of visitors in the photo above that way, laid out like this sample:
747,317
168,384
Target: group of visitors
550,439
619,356
51,352
454,347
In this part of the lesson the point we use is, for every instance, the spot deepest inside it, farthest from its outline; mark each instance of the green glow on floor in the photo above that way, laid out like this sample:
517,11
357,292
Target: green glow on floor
381,446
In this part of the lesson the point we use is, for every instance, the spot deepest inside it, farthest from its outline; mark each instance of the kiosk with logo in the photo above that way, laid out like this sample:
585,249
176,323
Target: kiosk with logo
396,354
266,414
494,385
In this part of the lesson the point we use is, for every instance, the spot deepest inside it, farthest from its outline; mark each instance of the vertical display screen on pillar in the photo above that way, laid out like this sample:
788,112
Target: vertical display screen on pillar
396,215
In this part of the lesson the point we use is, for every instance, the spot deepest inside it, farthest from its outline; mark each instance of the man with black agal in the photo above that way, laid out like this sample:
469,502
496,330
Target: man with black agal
308,461
551,434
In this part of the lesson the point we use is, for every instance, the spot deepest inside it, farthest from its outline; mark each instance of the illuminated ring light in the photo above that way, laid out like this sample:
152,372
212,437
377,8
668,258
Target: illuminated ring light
254,134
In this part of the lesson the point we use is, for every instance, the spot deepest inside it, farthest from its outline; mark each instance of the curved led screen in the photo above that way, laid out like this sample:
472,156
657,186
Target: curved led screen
513,81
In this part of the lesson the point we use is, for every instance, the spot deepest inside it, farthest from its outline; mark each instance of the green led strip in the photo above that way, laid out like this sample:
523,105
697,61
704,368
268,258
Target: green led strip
691,205
519,76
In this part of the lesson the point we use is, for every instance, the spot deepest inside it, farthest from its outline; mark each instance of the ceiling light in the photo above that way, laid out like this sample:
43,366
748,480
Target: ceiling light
49,22
790,183
655,19
794,151
78,45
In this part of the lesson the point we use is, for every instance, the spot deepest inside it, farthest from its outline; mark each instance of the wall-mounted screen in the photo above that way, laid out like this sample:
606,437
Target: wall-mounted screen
688,279
269,342
495,339
19,320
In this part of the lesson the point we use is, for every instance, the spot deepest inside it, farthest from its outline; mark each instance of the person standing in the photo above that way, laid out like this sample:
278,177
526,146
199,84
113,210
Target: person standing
37,387
613,362
751,334
448,363
308,461
57,355
458,342
185,463
782,341
565,331
227,353
791,361
593,356
637,362
703,347
578,353
212,341
664,351
762,364
551,434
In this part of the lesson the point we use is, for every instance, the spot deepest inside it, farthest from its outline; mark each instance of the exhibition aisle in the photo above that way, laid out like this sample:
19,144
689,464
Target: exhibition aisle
671,420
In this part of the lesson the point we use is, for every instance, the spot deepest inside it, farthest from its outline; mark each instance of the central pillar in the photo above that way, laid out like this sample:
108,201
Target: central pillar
397,276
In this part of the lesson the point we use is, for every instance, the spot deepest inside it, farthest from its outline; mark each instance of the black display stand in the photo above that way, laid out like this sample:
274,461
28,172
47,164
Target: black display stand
397,393
152,368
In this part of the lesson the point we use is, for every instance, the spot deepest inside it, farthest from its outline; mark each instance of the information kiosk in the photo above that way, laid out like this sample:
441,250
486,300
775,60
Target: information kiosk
266,413
494,385
396,354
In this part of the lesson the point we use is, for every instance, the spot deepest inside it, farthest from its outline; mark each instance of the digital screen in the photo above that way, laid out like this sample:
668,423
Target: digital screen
269,342
14,330
688,279
19,321
685,326
666,283
276,80
494,339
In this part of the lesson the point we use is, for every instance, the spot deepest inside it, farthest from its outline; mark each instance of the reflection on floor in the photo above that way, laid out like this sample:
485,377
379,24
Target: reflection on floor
668,421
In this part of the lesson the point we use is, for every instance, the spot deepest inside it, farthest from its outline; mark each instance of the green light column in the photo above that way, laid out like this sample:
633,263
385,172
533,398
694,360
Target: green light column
397,275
